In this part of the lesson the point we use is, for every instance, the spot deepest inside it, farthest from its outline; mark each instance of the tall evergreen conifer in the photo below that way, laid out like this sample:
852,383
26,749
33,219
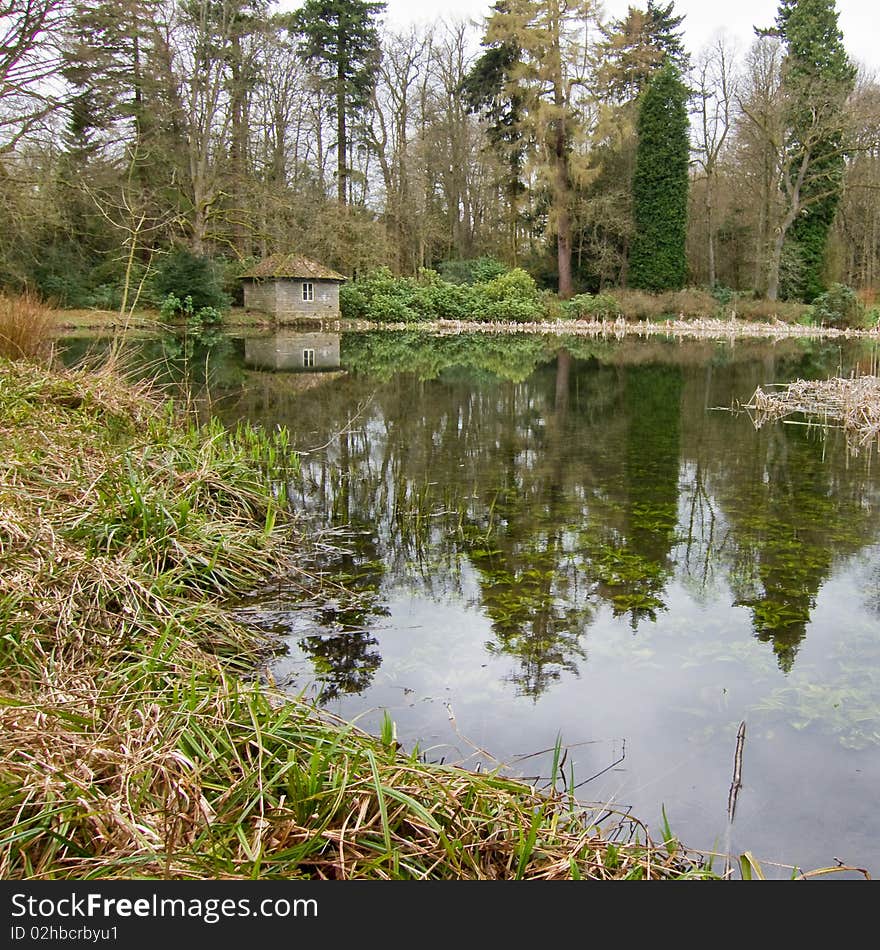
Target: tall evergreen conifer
660,185
817,79
341,39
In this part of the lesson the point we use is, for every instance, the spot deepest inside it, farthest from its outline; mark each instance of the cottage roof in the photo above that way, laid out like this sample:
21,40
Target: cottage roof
292,266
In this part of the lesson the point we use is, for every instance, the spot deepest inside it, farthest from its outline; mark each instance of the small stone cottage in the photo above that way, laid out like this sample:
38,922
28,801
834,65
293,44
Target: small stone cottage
291,287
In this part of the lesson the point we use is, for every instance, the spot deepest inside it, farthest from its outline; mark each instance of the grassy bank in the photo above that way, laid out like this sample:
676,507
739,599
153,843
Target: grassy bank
136,742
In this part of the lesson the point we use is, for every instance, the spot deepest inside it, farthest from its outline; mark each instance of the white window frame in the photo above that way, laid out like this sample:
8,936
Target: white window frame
308,291
308,358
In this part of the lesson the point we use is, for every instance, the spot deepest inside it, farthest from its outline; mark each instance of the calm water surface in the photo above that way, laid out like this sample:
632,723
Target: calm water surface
578,539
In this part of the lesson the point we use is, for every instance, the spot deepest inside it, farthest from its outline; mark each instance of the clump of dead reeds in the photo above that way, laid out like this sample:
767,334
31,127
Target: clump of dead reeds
26,327
131,743
851,403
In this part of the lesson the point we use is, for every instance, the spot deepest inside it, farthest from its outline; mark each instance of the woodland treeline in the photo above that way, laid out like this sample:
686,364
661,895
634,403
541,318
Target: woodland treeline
594,152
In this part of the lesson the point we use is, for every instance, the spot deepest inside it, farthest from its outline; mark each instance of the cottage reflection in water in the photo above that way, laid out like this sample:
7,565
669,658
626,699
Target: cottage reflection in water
293,352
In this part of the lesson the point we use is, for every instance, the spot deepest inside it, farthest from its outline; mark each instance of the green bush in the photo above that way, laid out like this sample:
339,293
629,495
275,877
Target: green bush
484,269
353,301
391,308
382,298
512,297
511,310
443,301
591,306
184,274
477,271
839,307
198,321
723,295
61,275
515,283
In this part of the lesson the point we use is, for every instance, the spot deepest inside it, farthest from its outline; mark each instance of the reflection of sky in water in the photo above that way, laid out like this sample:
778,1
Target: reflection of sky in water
676,692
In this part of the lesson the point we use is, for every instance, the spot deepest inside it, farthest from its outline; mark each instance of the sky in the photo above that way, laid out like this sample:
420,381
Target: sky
859,20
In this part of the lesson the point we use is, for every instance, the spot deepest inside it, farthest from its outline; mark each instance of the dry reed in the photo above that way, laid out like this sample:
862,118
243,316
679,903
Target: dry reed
852,404
26,327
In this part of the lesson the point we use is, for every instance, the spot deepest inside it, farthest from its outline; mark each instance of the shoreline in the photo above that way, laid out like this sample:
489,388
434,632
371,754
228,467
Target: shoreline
700,328
684,328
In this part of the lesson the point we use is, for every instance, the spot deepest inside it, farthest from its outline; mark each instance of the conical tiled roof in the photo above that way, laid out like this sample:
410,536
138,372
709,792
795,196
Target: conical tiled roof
293,266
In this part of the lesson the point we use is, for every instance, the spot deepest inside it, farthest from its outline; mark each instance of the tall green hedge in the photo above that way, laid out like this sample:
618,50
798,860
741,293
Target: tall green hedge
660,186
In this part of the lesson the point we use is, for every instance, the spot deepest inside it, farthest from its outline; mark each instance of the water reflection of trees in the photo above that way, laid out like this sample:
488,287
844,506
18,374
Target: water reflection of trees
187,362
786,504
588,481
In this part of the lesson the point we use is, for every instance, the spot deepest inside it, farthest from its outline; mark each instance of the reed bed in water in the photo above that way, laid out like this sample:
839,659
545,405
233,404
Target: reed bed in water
134,739
851,403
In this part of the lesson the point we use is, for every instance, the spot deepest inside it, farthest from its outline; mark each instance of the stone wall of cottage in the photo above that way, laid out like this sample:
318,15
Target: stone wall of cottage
289,300
283,297
259,295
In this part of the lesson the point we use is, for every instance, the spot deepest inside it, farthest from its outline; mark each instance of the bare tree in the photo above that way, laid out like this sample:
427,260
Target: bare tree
29,62
716,85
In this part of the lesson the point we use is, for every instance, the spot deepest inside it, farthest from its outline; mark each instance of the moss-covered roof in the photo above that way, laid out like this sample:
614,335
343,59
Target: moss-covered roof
293,266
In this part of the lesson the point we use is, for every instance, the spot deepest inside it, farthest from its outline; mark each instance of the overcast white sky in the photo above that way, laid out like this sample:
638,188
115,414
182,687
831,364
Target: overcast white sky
859,19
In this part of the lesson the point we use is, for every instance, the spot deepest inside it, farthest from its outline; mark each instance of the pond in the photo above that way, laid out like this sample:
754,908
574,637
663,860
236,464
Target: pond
577,541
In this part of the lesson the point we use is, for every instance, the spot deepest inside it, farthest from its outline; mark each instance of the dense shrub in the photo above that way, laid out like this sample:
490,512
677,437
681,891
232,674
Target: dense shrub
79,277
435,299
184,274
512,296
476,271
591,306
380,297
62,275
354,301
383,298
515,283
840,306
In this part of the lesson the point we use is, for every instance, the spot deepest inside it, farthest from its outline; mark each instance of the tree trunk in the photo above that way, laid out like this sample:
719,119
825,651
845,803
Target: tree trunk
341,143
563,221
710,232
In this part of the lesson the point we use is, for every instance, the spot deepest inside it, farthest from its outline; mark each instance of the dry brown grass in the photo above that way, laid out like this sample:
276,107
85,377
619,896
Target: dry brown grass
690,302
760,309
26,327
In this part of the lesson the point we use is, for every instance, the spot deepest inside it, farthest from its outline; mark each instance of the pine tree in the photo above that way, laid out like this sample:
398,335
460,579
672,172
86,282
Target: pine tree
540,86
489,91
340,38
817,80
660,185
635,47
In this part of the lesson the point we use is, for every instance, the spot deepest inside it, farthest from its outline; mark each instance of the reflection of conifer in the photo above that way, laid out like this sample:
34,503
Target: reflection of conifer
793,523
343,663
633,574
